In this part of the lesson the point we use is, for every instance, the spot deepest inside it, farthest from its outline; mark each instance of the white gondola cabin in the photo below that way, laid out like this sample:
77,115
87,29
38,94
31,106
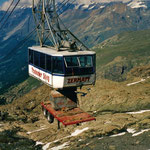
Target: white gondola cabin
60,69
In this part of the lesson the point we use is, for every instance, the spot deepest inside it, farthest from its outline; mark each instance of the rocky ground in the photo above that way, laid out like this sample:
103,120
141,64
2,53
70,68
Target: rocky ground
120,123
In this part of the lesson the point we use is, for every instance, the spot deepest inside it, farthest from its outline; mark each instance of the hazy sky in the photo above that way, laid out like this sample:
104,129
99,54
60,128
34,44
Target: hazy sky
5,3
2,1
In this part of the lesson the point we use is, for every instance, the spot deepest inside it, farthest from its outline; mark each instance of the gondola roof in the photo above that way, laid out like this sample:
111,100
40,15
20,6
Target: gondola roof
53,52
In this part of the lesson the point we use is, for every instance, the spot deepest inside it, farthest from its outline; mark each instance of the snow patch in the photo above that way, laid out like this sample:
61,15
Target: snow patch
138,112
36,130
107,122
45,147
142,80
102,6
137,4
39,143
130,130
120,134
60,146
85,6
77,132
142,131
91,7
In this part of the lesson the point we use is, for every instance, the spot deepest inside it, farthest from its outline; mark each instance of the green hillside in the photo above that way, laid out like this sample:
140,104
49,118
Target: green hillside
116,56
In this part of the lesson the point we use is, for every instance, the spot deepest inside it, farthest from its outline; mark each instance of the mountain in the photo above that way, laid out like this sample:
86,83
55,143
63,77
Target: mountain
121,53
14,66
92,24
90,4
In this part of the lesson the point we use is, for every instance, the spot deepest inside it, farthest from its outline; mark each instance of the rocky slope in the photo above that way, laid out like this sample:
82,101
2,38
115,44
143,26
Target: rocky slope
110,102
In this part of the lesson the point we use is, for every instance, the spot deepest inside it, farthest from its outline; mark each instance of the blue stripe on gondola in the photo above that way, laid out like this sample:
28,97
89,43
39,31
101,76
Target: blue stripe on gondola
54,74
46,71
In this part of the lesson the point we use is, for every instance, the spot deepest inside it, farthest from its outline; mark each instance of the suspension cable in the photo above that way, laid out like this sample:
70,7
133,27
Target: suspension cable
65,2
6,11
20,44
61,4
67,7
10,14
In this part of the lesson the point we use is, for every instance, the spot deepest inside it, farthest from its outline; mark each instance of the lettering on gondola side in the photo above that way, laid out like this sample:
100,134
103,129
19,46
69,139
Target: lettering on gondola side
78,80
34,71
43,76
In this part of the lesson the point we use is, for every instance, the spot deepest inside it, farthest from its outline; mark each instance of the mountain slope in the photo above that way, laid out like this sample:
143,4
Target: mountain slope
118,55
94,26
108,101
14,65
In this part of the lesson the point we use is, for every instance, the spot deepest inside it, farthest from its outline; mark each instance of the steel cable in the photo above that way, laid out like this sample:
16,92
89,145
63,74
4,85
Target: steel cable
6,11
10,14
21,43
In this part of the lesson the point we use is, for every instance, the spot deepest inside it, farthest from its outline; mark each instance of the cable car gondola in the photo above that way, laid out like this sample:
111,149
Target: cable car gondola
60,69
61,60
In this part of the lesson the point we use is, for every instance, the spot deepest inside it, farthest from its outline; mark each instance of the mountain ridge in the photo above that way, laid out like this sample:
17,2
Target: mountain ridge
89,4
